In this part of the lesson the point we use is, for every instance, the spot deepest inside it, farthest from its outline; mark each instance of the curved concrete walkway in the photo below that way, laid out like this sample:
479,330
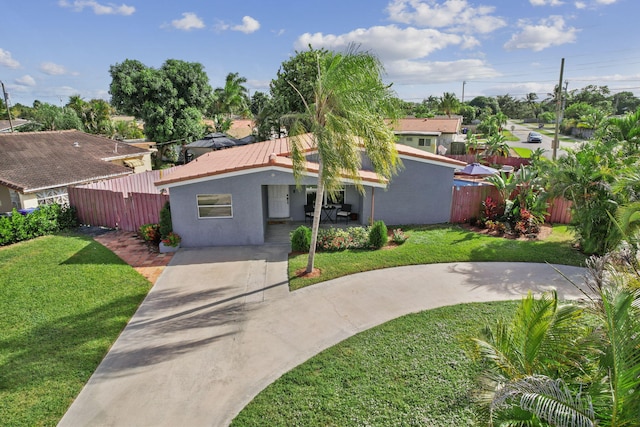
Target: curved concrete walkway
220,325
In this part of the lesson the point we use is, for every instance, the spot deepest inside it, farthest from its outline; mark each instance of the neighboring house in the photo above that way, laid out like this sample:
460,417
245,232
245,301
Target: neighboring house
241,128
228,197
37,167
429,134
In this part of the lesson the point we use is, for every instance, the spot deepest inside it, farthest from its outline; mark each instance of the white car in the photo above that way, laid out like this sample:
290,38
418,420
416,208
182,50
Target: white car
534,137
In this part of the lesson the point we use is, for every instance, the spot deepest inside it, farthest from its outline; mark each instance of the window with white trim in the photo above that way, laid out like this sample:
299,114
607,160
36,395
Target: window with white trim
214,206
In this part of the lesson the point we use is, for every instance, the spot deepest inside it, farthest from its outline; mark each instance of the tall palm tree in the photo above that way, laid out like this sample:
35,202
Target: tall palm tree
233,98
345,116
449,103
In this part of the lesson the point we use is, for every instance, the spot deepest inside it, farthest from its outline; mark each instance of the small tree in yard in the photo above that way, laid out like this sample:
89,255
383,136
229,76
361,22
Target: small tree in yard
166,226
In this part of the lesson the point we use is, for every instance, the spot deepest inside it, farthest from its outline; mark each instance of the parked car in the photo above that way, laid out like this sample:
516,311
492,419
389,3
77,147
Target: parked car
534,137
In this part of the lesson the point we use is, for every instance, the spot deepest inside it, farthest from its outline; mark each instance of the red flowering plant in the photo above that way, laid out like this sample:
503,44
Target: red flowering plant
172,239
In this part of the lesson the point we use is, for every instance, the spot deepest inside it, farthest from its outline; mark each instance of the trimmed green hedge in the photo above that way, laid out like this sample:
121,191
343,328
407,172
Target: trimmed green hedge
46,219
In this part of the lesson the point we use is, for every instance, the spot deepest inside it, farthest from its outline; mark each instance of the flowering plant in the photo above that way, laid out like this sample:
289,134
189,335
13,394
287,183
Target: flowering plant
172,239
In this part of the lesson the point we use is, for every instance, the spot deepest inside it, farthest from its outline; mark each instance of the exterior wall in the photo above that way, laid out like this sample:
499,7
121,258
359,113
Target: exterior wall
420,194
28,201
412,141
249,204
5,200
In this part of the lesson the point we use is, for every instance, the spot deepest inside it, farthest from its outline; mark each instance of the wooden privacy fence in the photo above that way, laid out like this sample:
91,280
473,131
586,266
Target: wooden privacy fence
467,204
125,203
112,209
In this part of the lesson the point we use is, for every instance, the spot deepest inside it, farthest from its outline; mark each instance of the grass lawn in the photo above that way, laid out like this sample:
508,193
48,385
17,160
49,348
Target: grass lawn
509,136
63,302
414,370
439,243
524,153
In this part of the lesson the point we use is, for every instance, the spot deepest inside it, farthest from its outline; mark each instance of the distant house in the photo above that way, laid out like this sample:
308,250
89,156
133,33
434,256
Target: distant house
228,197
37,167
429,133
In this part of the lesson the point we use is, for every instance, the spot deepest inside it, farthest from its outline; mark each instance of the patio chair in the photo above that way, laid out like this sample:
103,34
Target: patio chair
344,212
308,213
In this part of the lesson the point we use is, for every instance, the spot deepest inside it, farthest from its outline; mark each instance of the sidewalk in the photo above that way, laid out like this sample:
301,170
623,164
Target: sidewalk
220,325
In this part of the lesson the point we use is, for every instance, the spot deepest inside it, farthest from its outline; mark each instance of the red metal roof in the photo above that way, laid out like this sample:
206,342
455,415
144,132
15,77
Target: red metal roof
273,153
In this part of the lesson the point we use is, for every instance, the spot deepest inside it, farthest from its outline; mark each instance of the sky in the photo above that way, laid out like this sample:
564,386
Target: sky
53,49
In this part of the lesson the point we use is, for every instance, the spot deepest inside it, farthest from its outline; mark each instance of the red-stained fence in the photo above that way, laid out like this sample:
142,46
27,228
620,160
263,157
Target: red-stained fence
123,203
467,203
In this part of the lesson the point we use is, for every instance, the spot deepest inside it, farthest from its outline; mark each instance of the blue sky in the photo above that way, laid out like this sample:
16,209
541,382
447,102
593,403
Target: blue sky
52,49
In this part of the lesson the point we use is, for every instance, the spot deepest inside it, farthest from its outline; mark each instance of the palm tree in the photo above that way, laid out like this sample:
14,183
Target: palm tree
497,146
449,103
345,116
233,98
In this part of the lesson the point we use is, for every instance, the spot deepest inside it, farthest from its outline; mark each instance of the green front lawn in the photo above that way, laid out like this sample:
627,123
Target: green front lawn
435,244
412,371
524,153
63,302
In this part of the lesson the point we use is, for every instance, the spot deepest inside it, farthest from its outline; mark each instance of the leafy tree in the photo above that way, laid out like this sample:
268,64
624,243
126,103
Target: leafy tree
510,106
624,102
485,103
51,117
449,104
344,112
468,113
596,96
170,100
258,102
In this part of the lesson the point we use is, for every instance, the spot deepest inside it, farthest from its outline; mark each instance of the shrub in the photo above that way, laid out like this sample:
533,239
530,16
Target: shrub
399,237
378,235
150,233
301,239
46,219
337,239
166,226
359,237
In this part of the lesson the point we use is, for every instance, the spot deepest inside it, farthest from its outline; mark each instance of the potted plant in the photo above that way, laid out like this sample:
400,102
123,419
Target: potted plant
170,243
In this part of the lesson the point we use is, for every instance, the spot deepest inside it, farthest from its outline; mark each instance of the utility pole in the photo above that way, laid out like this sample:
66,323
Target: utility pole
463,83
556,142
6,103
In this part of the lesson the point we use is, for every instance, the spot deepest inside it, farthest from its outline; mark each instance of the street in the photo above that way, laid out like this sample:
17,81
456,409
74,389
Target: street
521,132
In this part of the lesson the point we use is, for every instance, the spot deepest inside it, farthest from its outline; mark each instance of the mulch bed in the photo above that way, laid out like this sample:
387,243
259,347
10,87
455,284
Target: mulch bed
545,231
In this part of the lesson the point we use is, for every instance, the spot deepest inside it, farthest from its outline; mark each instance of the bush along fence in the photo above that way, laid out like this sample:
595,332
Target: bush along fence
466,205
46,219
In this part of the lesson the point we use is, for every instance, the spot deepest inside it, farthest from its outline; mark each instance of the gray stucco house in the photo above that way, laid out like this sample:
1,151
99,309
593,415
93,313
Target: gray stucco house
228,197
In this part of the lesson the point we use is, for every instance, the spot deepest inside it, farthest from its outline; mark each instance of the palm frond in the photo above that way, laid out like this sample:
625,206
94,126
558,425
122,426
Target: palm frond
548,399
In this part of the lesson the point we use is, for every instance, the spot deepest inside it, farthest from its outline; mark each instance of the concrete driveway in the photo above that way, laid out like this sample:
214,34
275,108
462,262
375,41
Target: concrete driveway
220,325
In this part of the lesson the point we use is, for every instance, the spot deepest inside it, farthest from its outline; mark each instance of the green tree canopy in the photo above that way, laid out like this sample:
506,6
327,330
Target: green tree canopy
170,100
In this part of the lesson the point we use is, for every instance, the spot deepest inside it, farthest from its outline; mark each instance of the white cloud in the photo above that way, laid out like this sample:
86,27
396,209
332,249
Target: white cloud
546,2
606,1
404,72
52,69
248,26
456,15
188,22
98,9
580,5
7,61
26,80
549,32
388,42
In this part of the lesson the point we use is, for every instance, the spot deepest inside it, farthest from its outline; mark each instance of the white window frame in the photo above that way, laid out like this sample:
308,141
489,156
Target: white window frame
325,196
215,205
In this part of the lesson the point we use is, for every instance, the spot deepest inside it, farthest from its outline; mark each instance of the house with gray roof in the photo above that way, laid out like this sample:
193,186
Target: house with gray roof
37,167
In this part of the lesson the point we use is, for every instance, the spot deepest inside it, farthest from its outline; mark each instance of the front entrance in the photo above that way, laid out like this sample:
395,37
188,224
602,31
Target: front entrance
278,201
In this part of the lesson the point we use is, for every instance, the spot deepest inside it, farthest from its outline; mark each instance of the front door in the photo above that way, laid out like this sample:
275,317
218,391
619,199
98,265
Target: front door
278,201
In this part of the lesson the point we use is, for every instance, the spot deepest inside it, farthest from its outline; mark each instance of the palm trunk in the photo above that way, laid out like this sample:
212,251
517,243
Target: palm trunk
317,211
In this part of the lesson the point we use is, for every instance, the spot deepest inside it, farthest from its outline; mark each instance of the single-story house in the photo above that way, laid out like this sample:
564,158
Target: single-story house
228,197
37,167
210,142
429,133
